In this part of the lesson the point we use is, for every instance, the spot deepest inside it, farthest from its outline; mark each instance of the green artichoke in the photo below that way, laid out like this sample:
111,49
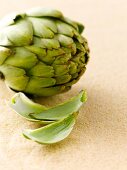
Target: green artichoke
42,52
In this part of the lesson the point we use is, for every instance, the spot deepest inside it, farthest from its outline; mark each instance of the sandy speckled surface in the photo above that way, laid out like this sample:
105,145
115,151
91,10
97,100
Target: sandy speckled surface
99,139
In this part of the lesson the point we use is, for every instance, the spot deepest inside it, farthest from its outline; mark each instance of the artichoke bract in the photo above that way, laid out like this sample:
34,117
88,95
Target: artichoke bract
42,52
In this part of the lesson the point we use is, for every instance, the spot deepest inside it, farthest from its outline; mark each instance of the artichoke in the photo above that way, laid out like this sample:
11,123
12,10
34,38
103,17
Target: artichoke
41,52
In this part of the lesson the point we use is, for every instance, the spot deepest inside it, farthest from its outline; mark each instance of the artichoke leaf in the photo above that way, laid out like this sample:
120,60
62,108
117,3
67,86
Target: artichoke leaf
63,79
42,12
65,29
10,19
52,133
20,33
40,28
36,112
62,110
23,106
4,54
26,59
45,91
41,70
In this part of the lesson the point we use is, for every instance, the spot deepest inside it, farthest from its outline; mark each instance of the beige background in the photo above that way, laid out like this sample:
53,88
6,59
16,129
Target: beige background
99,139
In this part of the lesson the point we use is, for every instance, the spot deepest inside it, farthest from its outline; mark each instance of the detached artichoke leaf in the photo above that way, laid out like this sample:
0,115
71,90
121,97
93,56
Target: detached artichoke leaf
52,133
24,106
39,113
62,110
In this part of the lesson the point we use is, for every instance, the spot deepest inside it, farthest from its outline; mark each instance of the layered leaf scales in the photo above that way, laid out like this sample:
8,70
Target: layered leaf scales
42,52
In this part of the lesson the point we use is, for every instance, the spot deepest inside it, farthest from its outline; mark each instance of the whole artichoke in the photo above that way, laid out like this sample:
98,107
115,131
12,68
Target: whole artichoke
42,52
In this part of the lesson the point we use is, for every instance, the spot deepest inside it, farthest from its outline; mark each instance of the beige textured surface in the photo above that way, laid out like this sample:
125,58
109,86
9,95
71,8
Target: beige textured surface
99,139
